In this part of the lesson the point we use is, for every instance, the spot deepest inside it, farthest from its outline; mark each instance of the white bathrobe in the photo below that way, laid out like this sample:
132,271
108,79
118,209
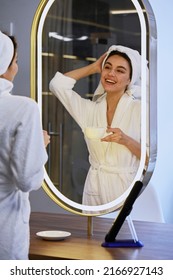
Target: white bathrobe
113,166
22,157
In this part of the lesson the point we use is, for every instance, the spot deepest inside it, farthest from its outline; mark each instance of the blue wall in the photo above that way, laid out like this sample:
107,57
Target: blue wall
162,178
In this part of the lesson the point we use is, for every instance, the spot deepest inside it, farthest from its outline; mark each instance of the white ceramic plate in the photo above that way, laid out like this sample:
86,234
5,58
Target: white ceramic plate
53,234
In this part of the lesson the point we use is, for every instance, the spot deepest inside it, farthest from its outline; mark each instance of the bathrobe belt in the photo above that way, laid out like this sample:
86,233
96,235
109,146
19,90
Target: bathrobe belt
111,169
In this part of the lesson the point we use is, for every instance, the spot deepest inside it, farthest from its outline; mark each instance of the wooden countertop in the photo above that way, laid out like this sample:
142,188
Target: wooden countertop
156,237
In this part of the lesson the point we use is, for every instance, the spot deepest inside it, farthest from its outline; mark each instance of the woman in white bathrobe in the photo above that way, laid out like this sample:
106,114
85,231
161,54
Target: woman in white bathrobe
114,159
22,157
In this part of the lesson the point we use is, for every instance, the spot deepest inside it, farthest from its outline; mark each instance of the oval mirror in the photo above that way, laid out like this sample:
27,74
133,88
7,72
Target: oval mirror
67,34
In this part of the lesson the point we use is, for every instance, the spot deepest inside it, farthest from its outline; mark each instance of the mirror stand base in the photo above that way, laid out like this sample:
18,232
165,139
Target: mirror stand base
125,243
90,225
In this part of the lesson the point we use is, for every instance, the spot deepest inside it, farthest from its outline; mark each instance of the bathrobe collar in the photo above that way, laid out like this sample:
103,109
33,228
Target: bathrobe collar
121,109
5,87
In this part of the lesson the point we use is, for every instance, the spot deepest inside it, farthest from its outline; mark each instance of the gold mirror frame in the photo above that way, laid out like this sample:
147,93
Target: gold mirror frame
147,25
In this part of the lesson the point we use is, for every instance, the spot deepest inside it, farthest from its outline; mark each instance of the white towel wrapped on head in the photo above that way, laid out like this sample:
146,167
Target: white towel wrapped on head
134,87
6,52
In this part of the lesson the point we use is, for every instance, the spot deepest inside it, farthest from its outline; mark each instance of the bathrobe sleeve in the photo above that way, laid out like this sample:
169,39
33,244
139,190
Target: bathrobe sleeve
79,108
28,154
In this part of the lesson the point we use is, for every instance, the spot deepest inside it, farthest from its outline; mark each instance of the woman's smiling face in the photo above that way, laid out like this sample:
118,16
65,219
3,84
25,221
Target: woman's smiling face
115,76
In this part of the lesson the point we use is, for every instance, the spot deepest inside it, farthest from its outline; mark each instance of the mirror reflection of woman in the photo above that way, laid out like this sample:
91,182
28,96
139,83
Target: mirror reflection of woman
114,158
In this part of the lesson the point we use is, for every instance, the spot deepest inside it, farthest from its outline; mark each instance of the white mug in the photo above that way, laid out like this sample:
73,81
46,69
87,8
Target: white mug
94,132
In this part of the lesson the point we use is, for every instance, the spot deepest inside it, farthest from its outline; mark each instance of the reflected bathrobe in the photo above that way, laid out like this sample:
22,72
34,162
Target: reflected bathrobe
22,157
113,166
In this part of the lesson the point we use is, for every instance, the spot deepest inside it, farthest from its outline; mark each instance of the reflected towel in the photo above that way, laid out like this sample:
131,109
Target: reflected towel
134,87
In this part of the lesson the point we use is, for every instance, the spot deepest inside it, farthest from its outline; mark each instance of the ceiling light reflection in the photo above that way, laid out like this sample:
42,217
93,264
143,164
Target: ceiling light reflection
123,12
66,38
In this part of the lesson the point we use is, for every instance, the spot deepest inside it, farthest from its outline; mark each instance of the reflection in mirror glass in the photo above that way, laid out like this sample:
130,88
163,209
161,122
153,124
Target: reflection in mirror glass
70,37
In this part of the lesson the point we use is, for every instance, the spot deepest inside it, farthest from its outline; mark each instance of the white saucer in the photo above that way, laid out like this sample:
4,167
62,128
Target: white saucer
53,234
